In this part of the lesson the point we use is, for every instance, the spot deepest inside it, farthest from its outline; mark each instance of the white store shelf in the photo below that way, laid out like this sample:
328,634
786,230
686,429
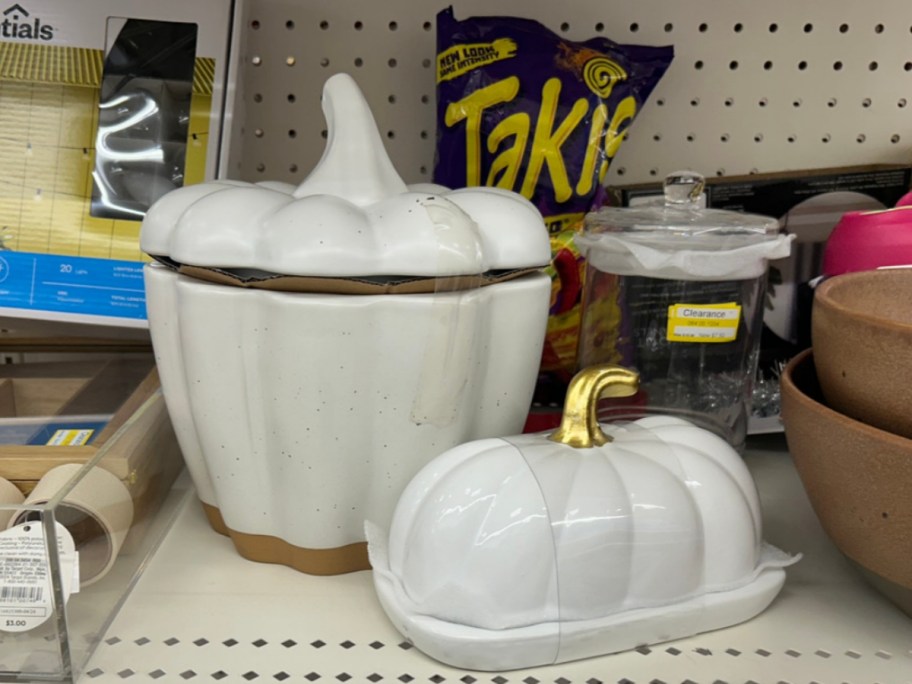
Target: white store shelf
201,613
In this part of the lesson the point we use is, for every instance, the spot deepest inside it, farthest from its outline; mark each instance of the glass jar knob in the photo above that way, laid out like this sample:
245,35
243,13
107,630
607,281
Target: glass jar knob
684,187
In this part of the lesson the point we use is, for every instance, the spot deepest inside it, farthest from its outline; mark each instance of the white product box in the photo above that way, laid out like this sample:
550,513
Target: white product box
104,107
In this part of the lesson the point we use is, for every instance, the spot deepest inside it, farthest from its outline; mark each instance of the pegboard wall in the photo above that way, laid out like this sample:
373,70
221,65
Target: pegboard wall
754,87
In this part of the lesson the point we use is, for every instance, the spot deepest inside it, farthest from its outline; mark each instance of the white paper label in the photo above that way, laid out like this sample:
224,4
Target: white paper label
25,578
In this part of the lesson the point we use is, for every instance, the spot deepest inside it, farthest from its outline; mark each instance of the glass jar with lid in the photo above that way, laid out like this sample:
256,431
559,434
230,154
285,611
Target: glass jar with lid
676,291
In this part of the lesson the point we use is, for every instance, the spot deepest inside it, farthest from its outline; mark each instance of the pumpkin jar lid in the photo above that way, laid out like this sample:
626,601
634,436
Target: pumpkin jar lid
352,225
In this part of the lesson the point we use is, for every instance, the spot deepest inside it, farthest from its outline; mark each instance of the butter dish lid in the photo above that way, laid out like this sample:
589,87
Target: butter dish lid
535,549
353,216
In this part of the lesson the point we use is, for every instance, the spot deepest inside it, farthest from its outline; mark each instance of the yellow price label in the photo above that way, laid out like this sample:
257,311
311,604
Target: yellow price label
703,322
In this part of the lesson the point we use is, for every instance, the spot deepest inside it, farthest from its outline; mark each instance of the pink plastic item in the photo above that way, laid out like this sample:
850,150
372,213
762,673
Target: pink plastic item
866,240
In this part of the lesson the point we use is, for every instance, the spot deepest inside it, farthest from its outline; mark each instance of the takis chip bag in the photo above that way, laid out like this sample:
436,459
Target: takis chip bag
521,108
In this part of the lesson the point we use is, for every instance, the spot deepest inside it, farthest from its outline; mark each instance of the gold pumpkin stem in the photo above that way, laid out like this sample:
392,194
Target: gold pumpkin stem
579,426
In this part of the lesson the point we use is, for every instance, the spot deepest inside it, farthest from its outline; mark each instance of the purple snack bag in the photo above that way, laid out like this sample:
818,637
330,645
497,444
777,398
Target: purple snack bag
521,108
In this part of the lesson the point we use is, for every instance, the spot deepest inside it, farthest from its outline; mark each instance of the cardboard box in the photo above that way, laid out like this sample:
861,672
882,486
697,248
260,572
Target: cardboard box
775,194
58,412
105,106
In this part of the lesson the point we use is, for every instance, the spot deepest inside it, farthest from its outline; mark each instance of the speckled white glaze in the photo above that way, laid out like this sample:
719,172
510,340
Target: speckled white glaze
515,552
353,216
302,415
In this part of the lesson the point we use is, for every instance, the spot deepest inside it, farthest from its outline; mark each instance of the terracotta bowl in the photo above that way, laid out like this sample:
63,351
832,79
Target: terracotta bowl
862,338
858,480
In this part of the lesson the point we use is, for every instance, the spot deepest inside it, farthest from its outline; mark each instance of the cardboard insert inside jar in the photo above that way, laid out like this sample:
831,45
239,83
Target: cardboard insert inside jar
264,280
97,512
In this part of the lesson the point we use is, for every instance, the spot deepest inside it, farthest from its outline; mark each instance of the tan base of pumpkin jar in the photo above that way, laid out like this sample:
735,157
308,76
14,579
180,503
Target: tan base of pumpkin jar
216,521
265,549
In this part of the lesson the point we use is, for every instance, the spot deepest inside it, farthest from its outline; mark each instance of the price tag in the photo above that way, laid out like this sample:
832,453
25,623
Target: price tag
25,576
703,322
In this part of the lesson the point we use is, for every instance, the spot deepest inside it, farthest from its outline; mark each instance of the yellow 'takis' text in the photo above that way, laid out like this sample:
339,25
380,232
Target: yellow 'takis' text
547,138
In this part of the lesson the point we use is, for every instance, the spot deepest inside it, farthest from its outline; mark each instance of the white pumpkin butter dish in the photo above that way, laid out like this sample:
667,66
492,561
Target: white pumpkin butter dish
509,553
319,344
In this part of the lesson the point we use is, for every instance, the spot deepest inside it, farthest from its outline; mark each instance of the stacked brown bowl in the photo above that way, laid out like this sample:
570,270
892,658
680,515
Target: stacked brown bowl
847,410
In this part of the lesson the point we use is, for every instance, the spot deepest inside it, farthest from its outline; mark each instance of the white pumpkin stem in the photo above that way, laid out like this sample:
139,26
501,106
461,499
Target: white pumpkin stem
354,165
579,426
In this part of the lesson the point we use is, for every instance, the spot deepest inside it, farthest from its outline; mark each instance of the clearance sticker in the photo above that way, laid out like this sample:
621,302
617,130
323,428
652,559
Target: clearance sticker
703,322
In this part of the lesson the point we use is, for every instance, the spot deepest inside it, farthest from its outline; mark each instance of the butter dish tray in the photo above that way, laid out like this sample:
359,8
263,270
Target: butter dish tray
538,549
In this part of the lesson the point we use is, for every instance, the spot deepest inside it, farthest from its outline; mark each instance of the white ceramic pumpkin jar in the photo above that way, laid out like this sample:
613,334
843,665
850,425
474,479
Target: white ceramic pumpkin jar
515,552
319,344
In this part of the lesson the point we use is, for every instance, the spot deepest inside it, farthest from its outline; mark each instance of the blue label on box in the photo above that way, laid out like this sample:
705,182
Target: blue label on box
59,431
74,285
67,433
